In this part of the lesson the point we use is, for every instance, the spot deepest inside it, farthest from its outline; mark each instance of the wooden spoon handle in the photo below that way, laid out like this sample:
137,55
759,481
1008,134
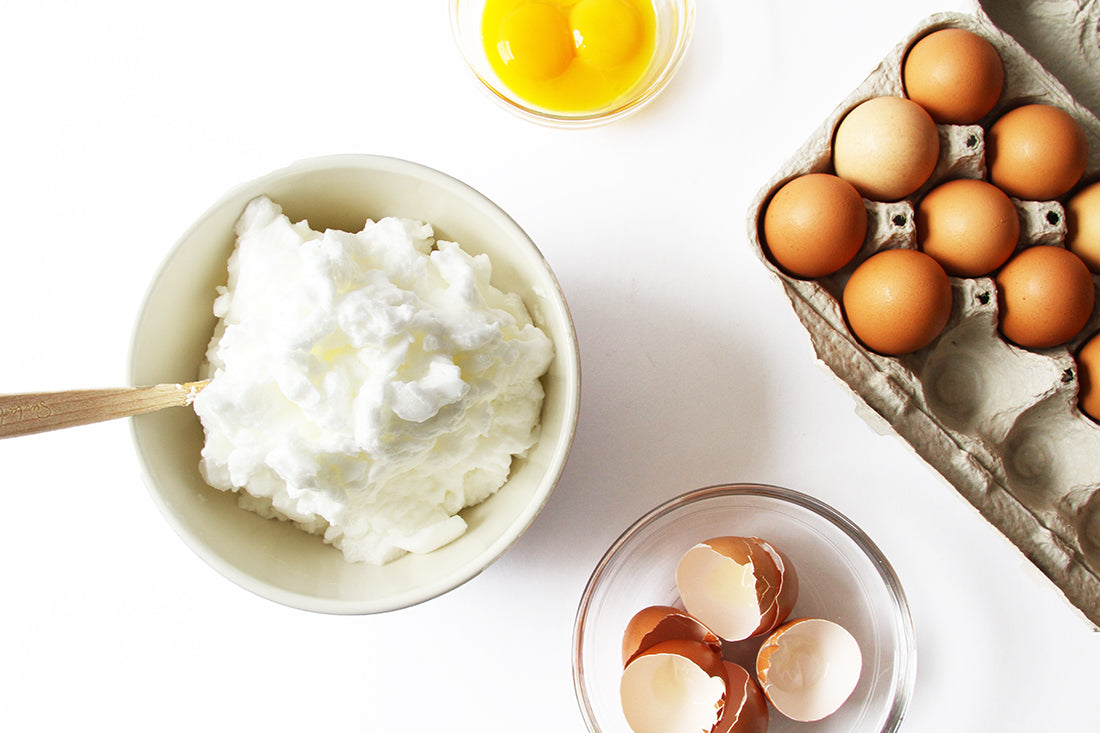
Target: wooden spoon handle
37,412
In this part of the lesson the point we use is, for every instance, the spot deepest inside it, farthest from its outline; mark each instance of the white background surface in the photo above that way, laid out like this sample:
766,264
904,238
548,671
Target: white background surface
122,121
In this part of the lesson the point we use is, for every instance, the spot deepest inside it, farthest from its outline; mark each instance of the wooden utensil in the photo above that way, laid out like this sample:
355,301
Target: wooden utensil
37,412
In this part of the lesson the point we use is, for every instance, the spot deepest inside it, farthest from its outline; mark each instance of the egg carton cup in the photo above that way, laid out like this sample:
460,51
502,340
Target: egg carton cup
999,422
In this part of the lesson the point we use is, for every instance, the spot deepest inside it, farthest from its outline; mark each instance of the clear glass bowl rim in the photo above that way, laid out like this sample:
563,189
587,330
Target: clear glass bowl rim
904,671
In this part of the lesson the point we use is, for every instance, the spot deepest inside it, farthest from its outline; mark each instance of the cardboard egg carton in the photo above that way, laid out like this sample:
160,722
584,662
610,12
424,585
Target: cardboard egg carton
999,422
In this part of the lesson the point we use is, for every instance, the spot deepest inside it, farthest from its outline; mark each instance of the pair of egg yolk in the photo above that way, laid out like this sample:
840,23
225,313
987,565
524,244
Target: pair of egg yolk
569,55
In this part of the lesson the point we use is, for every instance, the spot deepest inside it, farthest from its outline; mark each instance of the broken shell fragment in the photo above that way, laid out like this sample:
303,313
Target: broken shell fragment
808,668
674,686
746,708
737,586
657,624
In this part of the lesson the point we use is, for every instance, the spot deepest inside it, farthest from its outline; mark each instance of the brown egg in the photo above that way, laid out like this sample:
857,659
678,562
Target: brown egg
1088,377
1036,152
814,225
1083,225
886,147
897,301
969,226
954,74
1045,295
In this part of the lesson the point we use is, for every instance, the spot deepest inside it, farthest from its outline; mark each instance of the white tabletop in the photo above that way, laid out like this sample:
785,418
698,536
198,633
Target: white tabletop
122,121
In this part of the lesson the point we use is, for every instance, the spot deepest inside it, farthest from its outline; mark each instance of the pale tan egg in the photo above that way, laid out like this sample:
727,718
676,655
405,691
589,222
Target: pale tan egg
969,226
1088,378
1036,152
1083,225
887,147
814,225
954,74
1045,296
897,301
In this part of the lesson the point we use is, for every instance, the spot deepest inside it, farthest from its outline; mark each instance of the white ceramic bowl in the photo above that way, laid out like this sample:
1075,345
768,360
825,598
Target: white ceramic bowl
675,23
842,577
274,559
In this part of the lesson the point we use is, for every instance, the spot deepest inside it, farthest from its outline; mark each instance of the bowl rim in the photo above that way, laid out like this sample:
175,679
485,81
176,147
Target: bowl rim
627,106
904,672
568,352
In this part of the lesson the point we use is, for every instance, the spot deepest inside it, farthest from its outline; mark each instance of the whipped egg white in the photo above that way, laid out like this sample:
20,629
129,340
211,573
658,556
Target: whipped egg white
366,386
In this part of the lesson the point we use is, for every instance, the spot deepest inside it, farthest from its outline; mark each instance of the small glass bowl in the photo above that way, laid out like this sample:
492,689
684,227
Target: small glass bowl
675,21
842,577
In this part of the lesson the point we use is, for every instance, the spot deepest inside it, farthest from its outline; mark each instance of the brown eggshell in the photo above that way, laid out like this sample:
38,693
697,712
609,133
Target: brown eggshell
1036,152
954,74
703,655
1083,225
781,600
766,605
886,147
1045,295
1088,377
814,225
657,624
808,667
897,301
746,708
643,711
969,226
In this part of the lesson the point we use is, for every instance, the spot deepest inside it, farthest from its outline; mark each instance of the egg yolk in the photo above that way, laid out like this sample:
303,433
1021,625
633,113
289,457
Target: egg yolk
607,32
535,41
569,55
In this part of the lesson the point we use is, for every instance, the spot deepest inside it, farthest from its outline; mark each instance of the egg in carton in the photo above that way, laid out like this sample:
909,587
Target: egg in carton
999,422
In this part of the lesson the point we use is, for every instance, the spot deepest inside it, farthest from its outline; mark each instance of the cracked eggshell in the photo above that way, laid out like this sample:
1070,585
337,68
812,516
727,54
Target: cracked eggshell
674,686
746,708
808,668
657,624
738,587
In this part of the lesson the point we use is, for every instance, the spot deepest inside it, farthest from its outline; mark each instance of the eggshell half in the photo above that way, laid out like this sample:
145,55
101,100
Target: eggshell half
808,668
737,586
657,624
674,687
746,708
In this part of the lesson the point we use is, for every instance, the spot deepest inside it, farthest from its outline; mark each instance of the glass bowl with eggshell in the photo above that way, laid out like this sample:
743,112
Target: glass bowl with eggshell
573,63
275,559
842,577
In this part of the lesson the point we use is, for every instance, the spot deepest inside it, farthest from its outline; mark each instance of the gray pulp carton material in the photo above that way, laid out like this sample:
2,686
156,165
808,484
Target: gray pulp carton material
999,422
